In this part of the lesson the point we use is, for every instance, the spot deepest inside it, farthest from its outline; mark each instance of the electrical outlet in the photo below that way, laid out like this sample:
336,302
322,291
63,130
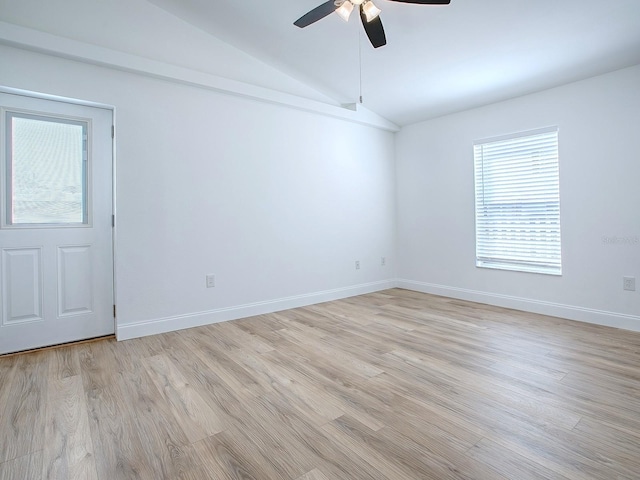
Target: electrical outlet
357,264
629,283
383,261
211,280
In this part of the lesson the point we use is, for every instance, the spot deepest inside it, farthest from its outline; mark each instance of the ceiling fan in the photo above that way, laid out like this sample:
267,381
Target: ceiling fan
369,14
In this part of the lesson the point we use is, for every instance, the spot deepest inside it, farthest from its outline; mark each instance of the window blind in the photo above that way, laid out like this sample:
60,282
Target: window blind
518,202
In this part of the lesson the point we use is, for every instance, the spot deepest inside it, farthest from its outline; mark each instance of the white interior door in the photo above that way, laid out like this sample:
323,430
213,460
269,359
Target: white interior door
56,255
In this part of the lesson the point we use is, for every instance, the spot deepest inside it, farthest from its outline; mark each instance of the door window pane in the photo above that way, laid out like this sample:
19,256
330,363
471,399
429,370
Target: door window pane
47,170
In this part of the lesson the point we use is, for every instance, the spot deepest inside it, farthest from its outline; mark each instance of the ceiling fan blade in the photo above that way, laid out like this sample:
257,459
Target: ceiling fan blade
374,30
316,14
424,2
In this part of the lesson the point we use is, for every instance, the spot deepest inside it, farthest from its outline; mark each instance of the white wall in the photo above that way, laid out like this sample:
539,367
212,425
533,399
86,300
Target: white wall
143,29
599,132
277,203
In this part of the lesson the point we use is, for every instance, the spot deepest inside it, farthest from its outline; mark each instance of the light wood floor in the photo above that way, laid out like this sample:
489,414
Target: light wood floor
394,385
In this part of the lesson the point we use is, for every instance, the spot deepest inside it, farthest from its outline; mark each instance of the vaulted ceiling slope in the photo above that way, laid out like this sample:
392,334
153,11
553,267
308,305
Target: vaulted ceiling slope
145,30
438,59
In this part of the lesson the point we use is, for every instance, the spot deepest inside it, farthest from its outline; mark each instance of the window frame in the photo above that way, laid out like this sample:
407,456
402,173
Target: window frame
522,233
6,165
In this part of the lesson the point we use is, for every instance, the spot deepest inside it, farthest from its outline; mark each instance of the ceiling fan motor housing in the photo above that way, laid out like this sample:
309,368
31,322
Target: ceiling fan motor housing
369,15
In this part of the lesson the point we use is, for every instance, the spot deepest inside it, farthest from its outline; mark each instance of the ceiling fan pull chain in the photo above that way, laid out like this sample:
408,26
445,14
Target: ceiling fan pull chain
360,61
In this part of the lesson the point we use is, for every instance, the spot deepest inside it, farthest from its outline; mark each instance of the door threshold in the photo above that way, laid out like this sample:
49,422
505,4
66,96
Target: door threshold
59,345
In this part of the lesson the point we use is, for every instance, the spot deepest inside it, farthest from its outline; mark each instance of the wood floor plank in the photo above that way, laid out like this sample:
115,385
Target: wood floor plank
504,393
215,337
542,449
68,448
98,367
311,442
64,362
518,368
314,474
22,419
340,313
293,320
231,373
243,339
210,379
616,444
305,395
166,446
509,463
430,402
262,326
7,371
220,462
348,361
25,467
119,449
265,430
388,385
336,390
363,444
197,418
243,455
323,325
421,424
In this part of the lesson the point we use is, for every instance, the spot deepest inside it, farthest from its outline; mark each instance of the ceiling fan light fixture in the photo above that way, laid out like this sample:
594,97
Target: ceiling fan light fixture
370,10
369,15
345,10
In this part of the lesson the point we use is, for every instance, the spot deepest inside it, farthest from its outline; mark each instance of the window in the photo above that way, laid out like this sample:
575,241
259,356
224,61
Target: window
46,170
518,202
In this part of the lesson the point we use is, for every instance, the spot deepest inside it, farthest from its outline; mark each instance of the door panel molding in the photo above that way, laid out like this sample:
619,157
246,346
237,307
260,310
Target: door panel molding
22,285
75,288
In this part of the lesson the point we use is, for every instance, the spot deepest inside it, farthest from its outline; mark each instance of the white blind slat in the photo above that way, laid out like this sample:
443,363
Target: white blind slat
518,203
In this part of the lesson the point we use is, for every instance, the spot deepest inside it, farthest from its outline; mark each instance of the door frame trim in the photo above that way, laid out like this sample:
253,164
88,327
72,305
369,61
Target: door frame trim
112,109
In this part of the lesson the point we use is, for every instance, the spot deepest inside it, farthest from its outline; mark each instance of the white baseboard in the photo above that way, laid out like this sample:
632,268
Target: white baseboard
196,319
168,324
571,312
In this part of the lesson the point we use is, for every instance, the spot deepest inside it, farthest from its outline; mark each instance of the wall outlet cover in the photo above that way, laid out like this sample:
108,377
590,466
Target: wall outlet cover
629,284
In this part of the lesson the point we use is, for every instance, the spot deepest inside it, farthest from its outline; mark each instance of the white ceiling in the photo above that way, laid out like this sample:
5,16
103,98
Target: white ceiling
438,59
